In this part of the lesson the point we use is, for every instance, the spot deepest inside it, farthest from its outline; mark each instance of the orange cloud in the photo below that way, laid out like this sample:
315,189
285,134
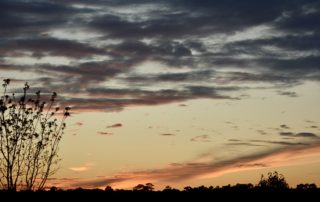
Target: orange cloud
180,172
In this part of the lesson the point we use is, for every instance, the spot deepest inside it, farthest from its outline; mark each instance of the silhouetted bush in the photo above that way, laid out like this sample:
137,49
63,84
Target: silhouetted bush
273,181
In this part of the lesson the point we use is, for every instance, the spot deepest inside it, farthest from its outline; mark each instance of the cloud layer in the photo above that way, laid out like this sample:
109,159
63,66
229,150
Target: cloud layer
104,55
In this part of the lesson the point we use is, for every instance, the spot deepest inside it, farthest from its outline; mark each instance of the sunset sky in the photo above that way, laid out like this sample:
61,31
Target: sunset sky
173,92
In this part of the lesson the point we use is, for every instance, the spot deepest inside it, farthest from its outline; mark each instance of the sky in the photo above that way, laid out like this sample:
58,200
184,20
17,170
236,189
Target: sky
173,92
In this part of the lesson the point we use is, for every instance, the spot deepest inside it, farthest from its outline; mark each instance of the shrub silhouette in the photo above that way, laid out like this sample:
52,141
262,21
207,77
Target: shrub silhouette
273,181
30,133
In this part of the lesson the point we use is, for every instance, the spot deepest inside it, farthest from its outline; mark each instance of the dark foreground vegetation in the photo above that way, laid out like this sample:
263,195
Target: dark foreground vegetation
273,187
238,192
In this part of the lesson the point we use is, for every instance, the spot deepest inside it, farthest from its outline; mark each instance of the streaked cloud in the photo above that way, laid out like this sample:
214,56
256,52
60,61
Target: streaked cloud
284,126
85,167
180,172
104,133
301,134
79,124
167,134
288,93
201,138
116,125
79,48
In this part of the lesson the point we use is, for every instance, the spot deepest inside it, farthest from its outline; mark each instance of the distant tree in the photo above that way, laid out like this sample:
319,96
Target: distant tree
243,186
108,189
273,181
170,189
53,189
141,187
306,186
202,188
31,128
187,189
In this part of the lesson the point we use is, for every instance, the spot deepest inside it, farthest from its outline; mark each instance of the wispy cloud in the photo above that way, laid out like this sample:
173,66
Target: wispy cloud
262,132
85,167
104,133
301,134
116,125
284,126
313,126
201,138
167,134
288,93
79,123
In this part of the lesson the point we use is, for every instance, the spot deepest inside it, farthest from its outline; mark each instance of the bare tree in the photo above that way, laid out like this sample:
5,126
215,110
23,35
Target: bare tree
30,132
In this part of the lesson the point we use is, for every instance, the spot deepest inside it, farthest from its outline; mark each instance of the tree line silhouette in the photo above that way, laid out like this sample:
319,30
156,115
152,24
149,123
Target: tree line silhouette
272,182
271,187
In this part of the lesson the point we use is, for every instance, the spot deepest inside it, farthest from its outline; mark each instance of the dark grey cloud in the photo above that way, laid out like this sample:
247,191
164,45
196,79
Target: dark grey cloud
105,41
116,125
285,143
49,47
21,18
300,19
189,76
301,134
116,99
167,134
236,142
239,77
284,126
243,144
306,134
287,134
208,17
182,105
288,93
99,182
147,98
313,126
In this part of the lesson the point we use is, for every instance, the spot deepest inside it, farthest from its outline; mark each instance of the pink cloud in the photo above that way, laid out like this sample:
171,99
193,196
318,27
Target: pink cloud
85,167
196,169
